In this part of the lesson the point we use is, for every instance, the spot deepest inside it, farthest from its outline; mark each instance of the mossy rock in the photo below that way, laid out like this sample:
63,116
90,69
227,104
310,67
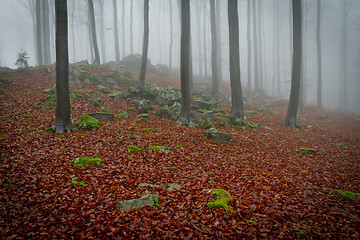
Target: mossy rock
50,91
347,194
308,150
217,136
83,161
146,200
222,198
160,148
88,122
103,116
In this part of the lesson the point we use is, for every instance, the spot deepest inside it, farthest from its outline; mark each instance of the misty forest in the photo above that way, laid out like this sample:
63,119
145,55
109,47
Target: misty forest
180,119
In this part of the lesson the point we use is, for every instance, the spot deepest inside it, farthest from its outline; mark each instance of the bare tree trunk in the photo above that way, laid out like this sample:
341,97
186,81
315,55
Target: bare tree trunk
205,50
185,114
291,115
171,34
214,54
343,57
256,68
277,82
102,33
218,40
260,44
235,77
123,28
198,13
63,122
93,32
141,83
318,45
46,32
73,31
131,27
248,45
116,33
38,34
91,48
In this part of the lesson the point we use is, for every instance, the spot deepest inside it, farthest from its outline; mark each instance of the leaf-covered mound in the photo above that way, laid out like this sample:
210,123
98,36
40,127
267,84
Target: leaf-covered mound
277,190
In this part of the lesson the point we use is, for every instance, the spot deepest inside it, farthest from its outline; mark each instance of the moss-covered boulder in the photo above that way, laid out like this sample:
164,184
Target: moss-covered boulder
217,136
222,198
146,200
103,89
103,116
83,161
88,122
200,104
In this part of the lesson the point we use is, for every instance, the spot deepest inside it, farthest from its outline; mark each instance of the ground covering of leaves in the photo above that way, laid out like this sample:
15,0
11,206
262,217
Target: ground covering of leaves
278,191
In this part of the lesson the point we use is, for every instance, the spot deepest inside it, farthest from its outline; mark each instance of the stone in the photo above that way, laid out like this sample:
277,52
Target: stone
173,186
131,111
103,89
222,198
103,116
146,200
144,106
217,136
200,104
83,161
88,122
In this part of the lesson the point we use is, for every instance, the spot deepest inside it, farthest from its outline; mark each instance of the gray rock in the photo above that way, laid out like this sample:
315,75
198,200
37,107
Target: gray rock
103,116
144,106
146,200
131,111
103,89
146,185
217,136
200,104
173,186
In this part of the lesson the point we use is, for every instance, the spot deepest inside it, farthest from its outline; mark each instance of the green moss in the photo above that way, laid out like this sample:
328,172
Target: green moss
49,91
173,168
83,161
160,148
343,145
347,194
178,146
88,122
3,81
5,117
50,130
222,197
146,129
133,149
104,110
211,173
75,181
28,116
308,150
119,131
9,185
61,136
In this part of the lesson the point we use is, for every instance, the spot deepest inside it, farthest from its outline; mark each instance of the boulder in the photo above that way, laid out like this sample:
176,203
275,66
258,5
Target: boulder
200,104
103,89
144,106
146,200
217,136
83,161
88,122
103,116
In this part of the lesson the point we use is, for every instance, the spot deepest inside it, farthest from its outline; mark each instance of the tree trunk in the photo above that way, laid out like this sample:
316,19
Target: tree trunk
46,32
185,114
91,48
218,40
38,34
73,32
116,33
123,28
318,45
256,68
93,32
198,15
63,122
141,83
205,50
102,33
343,58
171,34
248,45
235,80
291,115
131,27
260,44
214,54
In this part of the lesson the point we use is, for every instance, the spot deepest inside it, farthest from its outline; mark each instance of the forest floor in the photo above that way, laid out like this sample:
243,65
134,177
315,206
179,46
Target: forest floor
278,191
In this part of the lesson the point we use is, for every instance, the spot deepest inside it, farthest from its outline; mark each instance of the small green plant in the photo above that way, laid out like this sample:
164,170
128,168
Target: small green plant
308,150
61,136
173,167
178,146
301,233
146,129
75,181
9,185
28,116
119,131
5,117
347,194
211,173
133,149
22,60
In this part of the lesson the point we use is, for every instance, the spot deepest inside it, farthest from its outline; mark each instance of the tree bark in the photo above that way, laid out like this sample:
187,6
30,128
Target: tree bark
205,50
93,32
116,33
248,45
256,68
291,115
63,122
102,33
46,32
234,52
171,34
123,28
198,15
214,54
141,83
131,27
343,58
185,114
38,34
318,45
218,40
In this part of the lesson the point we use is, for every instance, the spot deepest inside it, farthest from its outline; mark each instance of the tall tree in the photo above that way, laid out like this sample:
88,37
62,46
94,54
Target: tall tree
102,32
248,45
63,122
260,44
235,80
123,27
93,32
141,83
256,66
46,32
38,34
116,33
218,39
199,26
185,114
214,53
131,27
205,49
343,56
291,115
318,46
171,34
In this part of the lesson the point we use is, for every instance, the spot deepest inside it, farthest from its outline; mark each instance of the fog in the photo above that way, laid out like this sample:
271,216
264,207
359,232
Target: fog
274,24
